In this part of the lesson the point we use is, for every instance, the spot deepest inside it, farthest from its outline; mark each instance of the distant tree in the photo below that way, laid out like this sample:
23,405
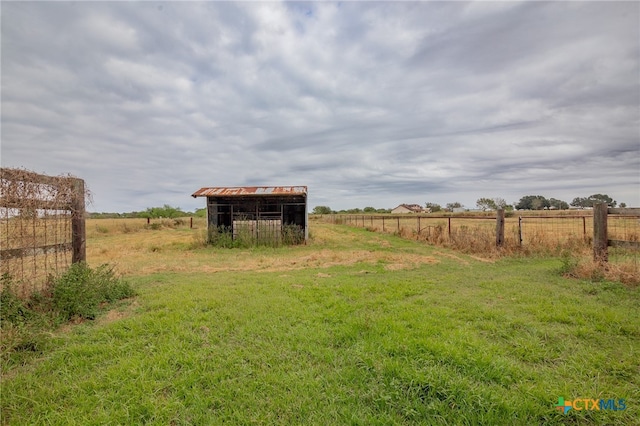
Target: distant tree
602,198
485,204
454,205
580,202
558,204
591,200
369,210
501,203
322,210
350,211
434,207
538,204
532,202
165,211
623,205
200,212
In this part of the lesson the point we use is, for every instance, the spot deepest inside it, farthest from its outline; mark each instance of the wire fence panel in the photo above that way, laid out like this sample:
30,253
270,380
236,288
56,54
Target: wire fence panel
476,233
555,231
41,227
623,233
623,227
34,247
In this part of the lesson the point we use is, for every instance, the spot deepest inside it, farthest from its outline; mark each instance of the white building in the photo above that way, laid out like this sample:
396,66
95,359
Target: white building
409,208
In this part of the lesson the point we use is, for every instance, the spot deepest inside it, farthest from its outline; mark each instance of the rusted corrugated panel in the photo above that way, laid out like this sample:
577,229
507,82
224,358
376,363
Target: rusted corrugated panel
250,190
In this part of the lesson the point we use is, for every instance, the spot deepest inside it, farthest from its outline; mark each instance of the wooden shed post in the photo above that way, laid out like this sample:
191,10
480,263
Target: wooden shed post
78,228
600,242
500,228
306,218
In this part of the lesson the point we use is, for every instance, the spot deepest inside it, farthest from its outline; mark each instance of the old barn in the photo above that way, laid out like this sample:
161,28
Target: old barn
262,213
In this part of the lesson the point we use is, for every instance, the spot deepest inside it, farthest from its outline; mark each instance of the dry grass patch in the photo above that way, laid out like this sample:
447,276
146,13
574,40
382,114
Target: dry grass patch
172,250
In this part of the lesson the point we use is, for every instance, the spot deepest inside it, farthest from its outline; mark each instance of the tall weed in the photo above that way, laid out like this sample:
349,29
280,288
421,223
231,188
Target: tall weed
78,293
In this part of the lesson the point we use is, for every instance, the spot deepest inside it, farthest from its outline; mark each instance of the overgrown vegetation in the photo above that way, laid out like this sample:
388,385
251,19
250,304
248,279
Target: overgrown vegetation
580,264
251,234
78,294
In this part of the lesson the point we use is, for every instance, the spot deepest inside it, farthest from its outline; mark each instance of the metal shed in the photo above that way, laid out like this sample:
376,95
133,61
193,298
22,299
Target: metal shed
266,212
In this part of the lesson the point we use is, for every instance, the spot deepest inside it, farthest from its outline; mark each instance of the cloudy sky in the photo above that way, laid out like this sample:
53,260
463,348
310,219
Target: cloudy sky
366,103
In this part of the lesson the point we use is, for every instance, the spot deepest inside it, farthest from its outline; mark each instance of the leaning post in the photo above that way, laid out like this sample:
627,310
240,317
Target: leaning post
600,242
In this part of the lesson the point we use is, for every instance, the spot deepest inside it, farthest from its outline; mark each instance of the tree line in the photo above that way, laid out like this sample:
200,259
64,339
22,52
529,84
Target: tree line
164,212
538,202
528,202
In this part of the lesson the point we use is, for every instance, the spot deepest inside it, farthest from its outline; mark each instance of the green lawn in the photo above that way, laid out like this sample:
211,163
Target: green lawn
452,341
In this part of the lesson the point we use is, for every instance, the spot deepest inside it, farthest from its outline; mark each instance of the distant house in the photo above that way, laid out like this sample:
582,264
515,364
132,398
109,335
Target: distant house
409,208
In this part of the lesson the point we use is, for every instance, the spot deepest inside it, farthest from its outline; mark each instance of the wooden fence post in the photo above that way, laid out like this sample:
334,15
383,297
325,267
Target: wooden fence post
78,228
500,228
600,242
520,230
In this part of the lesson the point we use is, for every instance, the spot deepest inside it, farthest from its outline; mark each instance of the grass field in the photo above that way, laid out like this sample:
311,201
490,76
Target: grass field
355,327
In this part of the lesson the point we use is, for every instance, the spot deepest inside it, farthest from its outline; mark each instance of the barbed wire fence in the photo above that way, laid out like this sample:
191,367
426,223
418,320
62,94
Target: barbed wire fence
42,227
525,233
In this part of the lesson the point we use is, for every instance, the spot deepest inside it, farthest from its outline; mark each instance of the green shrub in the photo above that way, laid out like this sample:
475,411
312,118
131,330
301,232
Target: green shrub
12,308
78,293
80,290
110,286
72,293
221,237
22,326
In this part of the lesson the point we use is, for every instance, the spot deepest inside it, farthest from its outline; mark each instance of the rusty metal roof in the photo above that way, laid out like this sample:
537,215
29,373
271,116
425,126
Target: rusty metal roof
239,191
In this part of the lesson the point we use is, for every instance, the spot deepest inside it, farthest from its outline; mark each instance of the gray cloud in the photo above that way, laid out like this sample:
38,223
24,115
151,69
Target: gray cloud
366,103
